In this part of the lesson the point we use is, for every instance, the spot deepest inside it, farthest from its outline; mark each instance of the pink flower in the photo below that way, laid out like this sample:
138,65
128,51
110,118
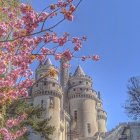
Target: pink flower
54,38
3,29
3,131
43,16
69,16
84,58
96,57
67,54
58,56
66,65
45,51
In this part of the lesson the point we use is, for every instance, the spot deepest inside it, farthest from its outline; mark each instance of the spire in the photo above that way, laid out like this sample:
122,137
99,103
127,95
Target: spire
79,71
48,62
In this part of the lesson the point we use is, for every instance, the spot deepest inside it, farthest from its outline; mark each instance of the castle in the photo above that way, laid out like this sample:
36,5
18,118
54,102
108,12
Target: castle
75,109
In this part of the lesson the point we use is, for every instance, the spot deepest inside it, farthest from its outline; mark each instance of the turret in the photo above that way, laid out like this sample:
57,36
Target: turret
64,72
47,93
64,76
83,101
102,116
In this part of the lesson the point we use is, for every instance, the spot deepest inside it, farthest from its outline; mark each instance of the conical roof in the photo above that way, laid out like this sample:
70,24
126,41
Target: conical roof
79,71
48,62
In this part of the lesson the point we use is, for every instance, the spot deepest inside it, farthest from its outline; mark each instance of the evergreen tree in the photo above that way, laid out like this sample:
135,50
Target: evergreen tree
33,121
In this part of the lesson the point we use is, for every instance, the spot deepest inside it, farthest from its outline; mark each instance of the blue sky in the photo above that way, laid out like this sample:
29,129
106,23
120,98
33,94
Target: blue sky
113,31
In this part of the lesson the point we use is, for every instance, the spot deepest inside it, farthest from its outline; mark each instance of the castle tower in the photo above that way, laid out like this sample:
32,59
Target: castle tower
47,94
83,100
64,72
64,76
102,117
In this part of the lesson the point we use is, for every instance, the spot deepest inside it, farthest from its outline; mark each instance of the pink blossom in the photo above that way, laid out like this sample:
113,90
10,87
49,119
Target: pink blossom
96,57
58,56
3,29
84,58
43,16
67,54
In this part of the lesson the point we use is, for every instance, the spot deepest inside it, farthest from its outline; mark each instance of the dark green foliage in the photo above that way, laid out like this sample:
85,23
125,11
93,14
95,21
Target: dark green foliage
38,125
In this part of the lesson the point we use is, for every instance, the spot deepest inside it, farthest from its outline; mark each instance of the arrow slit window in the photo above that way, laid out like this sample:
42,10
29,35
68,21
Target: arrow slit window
51,102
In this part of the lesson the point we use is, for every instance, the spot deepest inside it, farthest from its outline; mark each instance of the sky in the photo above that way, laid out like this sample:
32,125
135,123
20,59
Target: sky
113,31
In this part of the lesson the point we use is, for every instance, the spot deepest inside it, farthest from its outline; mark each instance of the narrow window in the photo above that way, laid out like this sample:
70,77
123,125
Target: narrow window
53,84
42,103
89,128
80,88
75,115
74,89
45,83
51,102
80,82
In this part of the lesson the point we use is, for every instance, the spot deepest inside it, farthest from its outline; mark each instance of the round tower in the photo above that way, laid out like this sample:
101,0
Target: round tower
64,76
47,94
82,100
102,117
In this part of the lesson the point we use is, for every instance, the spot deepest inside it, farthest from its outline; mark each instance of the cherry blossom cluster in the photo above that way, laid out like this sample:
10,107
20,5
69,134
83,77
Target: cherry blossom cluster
14,122
95,57
12,136
25,39
7,135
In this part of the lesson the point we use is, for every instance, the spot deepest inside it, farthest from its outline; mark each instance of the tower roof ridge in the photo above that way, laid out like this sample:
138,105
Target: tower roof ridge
79,71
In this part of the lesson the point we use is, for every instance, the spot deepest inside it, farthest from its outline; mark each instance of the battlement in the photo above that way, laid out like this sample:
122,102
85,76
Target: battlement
87,95
44,67
55,93
81,77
